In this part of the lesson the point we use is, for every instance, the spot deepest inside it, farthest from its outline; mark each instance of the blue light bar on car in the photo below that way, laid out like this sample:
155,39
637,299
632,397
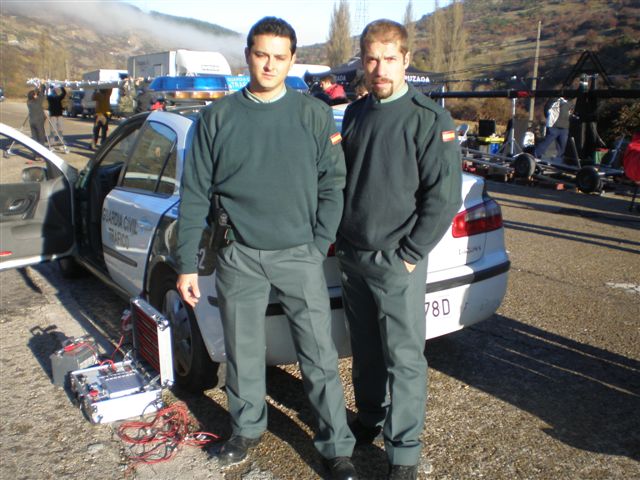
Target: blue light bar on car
209,87
206,87
296,83
238,82
192,84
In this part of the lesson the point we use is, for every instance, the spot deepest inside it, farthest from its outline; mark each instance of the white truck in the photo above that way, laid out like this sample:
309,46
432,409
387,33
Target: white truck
178,63
108,78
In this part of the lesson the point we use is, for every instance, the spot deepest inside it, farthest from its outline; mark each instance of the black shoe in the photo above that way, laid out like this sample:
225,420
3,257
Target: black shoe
364,434
341,468
235,449
403,472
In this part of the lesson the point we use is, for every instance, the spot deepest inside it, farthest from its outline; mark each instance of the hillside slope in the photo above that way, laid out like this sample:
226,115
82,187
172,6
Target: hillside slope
64,44
80,37
502,39
502,33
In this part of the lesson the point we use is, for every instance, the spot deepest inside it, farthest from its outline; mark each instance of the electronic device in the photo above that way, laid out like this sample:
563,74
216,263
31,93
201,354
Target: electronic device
75,353
133,387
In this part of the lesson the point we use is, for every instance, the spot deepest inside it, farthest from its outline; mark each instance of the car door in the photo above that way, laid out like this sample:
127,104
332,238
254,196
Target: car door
147,188
36,202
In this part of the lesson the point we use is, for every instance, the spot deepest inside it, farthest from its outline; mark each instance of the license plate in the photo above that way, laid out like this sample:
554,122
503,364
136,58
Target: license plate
437,308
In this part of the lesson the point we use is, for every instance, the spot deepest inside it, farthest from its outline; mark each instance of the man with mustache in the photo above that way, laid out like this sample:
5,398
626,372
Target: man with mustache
403,189
274,158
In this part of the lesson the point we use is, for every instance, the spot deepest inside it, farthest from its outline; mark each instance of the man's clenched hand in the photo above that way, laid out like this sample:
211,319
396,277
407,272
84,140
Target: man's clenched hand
188,288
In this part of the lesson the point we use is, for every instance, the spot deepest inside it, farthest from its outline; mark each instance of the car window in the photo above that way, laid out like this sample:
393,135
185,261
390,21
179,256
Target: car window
168,179
17,157
118,153
152,163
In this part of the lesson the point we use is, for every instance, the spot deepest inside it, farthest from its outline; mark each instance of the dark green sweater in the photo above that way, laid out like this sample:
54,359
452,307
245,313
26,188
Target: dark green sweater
403,176
278,173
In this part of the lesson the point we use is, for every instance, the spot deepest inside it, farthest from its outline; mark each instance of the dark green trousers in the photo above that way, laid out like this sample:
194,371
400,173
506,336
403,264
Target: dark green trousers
244,279
384,306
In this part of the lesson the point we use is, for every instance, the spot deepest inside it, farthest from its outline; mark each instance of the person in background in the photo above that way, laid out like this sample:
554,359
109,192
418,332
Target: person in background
360,87
403,189
247,147
37,116
102,98
333,89
144,100
159,104
558,111
316,91
126,100
55,97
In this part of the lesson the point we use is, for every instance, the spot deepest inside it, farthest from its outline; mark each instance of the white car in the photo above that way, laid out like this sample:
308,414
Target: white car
117,218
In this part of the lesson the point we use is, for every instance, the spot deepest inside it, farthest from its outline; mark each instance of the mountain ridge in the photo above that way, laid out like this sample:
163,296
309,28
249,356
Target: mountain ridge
501,43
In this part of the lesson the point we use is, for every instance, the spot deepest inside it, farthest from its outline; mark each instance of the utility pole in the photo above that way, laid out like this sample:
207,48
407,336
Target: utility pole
534,81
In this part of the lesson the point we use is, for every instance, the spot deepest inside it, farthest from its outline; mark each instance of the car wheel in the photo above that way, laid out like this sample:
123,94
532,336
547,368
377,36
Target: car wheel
524,165
70,268
194,370
588,180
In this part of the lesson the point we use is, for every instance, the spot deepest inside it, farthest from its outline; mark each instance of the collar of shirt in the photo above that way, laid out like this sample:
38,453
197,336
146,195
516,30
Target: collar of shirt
257,99
404,89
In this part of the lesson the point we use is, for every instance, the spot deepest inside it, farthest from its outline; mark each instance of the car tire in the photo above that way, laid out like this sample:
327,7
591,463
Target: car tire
70,268
588,180
193,368
524,165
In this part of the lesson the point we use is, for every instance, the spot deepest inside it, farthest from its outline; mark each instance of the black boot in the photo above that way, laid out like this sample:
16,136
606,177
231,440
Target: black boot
341,468
235,449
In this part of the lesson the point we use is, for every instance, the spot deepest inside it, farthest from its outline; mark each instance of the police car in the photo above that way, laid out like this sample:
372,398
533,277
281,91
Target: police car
117,219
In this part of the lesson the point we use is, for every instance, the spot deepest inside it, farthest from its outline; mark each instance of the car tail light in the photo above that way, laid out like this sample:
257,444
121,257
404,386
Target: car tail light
483,218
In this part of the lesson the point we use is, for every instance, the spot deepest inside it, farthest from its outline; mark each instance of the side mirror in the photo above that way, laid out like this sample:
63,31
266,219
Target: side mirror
34,174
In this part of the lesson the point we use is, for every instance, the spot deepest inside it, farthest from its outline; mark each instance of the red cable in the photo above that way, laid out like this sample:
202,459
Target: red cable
170,428
110,362
118,347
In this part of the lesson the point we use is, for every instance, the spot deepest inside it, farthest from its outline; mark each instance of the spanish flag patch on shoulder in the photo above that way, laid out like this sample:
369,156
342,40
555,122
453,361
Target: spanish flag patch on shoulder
448,136
336,138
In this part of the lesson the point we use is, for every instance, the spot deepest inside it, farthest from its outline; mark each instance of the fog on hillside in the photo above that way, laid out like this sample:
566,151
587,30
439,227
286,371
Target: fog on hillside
117,18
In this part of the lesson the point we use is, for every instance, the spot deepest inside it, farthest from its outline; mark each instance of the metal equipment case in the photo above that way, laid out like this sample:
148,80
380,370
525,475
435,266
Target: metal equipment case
133,387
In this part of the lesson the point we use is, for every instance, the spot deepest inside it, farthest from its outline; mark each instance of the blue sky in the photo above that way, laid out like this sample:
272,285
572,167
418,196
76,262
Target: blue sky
311,19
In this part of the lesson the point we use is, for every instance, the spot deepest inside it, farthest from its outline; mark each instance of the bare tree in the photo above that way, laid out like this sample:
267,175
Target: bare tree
447,38
410,25
435,36
456,44
339,46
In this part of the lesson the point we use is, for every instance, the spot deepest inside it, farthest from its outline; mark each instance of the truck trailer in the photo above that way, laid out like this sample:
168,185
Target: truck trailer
178,63
110,78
